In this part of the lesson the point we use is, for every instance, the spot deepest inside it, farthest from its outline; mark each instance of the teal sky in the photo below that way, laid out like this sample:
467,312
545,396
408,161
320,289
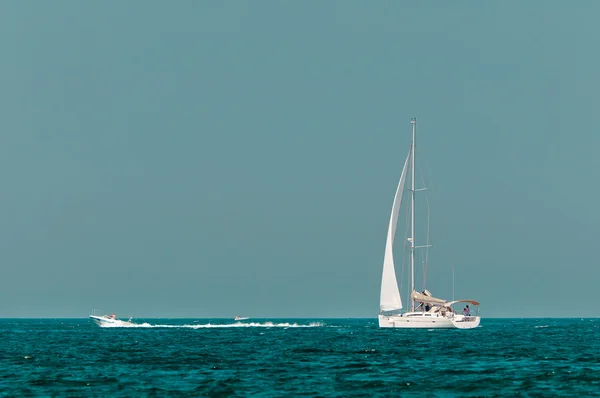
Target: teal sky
222,158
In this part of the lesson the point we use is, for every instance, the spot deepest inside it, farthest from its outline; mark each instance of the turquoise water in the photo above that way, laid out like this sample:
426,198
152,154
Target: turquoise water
311,357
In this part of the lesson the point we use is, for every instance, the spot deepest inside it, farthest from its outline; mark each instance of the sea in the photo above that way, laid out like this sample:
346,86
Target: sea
298,357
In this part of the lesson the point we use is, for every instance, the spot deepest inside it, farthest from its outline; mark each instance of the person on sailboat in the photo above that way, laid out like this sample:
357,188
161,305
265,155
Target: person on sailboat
467,311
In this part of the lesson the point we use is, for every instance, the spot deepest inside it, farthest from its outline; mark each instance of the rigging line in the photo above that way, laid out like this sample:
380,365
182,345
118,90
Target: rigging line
426,265
424,161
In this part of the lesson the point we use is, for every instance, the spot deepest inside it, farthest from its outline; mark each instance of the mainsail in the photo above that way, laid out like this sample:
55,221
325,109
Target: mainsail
389,299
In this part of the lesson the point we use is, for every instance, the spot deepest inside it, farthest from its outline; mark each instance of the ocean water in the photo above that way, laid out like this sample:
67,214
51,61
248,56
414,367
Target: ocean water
299,357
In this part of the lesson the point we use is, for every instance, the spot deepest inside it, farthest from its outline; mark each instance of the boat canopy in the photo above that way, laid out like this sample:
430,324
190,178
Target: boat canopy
427,299
462,301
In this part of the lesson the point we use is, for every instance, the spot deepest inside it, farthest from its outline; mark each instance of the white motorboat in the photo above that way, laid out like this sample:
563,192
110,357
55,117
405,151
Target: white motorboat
109,320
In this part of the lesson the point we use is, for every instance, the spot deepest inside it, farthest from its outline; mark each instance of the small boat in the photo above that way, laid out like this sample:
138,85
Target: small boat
240,318
431,312
105,320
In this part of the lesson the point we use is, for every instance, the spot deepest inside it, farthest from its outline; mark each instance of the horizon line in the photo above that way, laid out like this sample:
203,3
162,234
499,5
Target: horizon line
259,317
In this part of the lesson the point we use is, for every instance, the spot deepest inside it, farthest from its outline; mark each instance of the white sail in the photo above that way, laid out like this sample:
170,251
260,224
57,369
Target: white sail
389,299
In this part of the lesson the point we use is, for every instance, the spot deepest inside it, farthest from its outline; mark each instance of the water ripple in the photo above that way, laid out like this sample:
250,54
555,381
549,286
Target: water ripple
544,357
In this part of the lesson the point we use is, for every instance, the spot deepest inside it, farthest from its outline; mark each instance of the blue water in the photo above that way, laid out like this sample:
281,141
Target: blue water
341,357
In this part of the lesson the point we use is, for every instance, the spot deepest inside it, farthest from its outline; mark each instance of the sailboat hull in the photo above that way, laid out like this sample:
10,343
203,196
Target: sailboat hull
428,321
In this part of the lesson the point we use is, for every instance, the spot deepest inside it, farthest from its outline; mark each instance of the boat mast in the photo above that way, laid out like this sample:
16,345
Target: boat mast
413,121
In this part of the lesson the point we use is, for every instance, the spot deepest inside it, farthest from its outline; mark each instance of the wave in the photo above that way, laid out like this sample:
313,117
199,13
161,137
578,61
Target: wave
215,325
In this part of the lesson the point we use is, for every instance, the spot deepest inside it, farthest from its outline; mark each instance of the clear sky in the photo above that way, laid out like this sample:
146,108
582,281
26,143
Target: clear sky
222,158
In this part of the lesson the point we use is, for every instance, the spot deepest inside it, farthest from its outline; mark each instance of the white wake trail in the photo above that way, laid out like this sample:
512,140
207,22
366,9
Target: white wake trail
215,325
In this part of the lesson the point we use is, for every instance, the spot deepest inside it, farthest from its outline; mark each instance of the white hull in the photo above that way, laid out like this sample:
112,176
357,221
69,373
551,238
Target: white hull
428,321
108,321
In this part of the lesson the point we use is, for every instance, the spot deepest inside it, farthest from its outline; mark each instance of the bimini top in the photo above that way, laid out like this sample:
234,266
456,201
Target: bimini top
462,301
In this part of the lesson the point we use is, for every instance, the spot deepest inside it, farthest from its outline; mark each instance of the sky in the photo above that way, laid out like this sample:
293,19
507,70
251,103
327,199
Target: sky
222,158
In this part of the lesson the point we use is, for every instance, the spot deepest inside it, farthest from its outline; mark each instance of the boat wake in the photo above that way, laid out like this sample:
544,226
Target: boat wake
214,325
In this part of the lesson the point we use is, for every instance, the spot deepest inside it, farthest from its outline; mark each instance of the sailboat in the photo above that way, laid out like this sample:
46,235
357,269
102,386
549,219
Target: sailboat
431,312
